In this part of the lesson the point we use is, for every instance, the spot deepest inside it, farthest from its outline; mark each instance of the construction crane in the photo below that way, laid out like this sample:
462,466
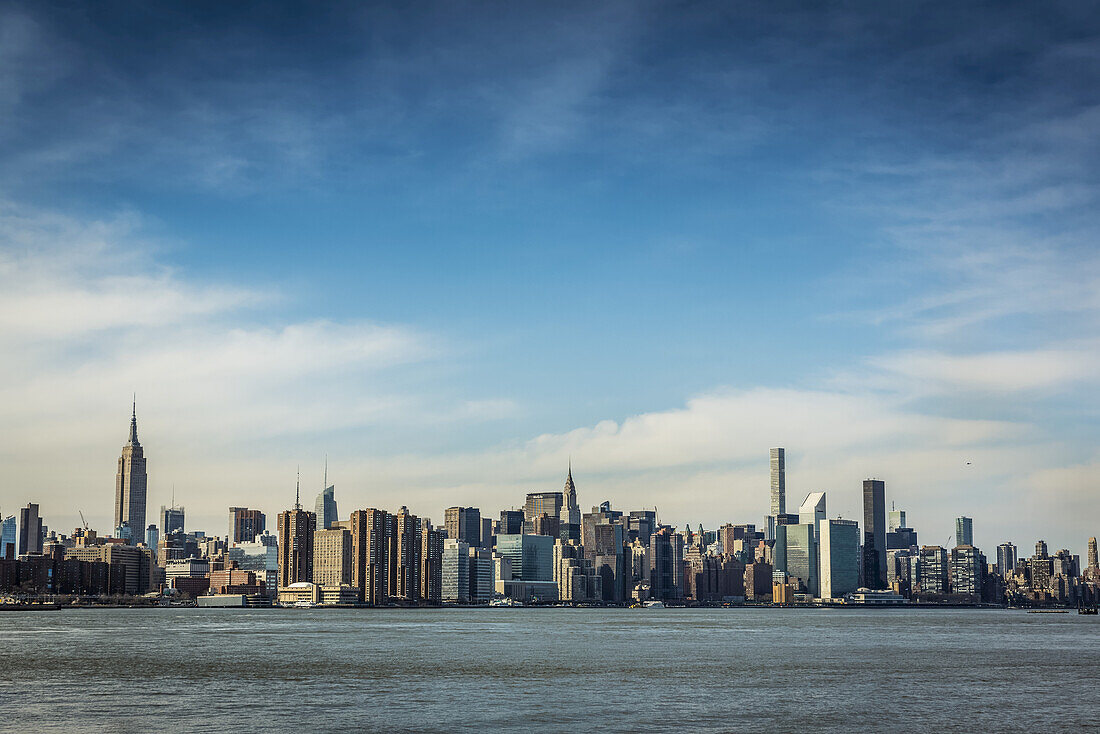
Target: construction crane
83,520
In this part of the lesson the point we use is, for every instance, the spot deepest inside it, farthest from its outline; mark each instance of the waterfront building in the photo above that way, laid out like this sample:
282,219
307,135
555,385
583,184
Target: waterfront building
30,530
129,568
1006,559
531,556
541,503
796,555
131,481
325,505
666,564
404,561
967,564
574,574
569,517
369,565
343,595
778,482
296,529
332,557
8,537
964,531
463,523
482,577
431,563
244,524
456,571
758,581
299,593
839,554
260,556
171,520
874,534
933,570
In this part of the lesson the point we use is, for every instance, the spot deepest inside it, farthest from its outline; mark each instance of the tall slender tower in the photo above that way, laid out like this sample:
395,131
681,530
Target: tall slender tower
130,484
779,482
569,518
874,534
296,529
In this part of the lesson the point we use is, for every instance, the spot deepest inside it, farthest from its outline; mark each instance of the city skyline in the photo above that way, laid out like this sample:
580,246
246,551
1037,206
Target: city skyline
453,249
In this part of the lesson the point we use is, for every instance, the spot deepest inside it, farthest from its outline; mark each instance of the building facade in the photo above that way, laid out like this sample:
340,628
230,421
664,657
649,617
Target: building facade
131,482
874,534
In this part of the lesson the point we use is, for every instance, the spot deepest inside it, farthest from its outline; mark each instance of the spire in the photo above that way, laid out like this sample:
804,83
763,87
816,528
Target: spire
133,423
324,484
297,490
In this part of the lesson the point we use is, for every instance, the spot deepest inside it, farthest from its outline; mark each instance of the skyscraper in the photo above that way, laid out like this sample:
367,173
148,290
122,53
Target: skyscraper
964,531
895,520
405,560
779,482
1006,559
541,503
796,554
325,505
812,511
431,563
456,571
967,563
1092,555
244,524
570,515
874,534
296,528
131,481
369,568
463,523
171,520
838,549
332,556
8,535
30,530
152,537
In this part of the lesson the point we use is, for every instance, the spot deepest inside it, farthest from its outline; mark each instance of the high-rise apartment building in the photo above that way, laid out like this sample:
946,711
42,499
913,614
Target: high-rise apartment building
933,570
838,549
967,563
405,561
463,523
244,524
296,530
779,482
131,482
369,566
431,563
332,557
30,530
874,534
1006,559
964,531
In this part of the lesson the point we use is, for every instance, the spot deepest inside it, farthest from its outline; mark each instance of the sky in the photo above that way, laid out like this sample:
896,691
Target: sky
454,246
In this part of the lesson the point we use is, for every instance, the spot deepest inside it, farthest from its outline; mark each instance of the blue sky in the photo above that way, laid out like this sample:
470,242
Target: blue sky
452,244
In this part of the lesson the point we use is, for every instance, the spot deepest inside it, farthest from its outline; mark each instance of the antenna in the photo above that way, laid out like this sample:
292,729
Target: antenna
297,489
324,485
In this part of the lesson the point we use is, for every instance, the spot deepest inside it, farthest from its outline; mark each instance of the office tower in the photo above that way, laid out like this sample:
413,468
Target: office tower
431,560
296,529
666,564
531,556
933,570
608,560
640,525
838,550
874,534
30,530
405,560
796,554
463,523
244,524
131,481
481,576
8,537
570,514
171,520
1092,555
967,564
901,538
325,505
964,531
895,520
369,567
456,571
260,556
541,503
511,522
152,537
1006,559
1041,549
812,511
779,482
332,557
546,525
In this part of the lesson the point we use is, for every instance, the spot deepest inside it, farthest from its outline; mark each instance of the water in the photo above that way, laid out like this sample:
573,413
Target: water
517,670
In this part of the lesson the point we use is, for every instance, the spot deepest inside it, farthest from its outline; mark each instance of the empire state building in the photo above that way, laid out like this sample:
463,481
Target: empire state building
130,485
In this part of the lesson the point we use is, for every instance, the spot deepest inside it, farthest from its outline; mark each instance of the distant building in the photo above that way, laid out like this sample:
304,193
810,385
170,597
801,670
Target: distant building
131,481
325,507
482,578
531,556
964,531
332,557
666,565
933,570
779,482
569,517
463,523
152,537
260,556
901,538
541,503
511,522
839,553
8,537
296,529
812,511
1006,559
404,561
431,564
171,520
244,524
874,534
30,530
456,571
796,555
894,520
369,563
967,564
